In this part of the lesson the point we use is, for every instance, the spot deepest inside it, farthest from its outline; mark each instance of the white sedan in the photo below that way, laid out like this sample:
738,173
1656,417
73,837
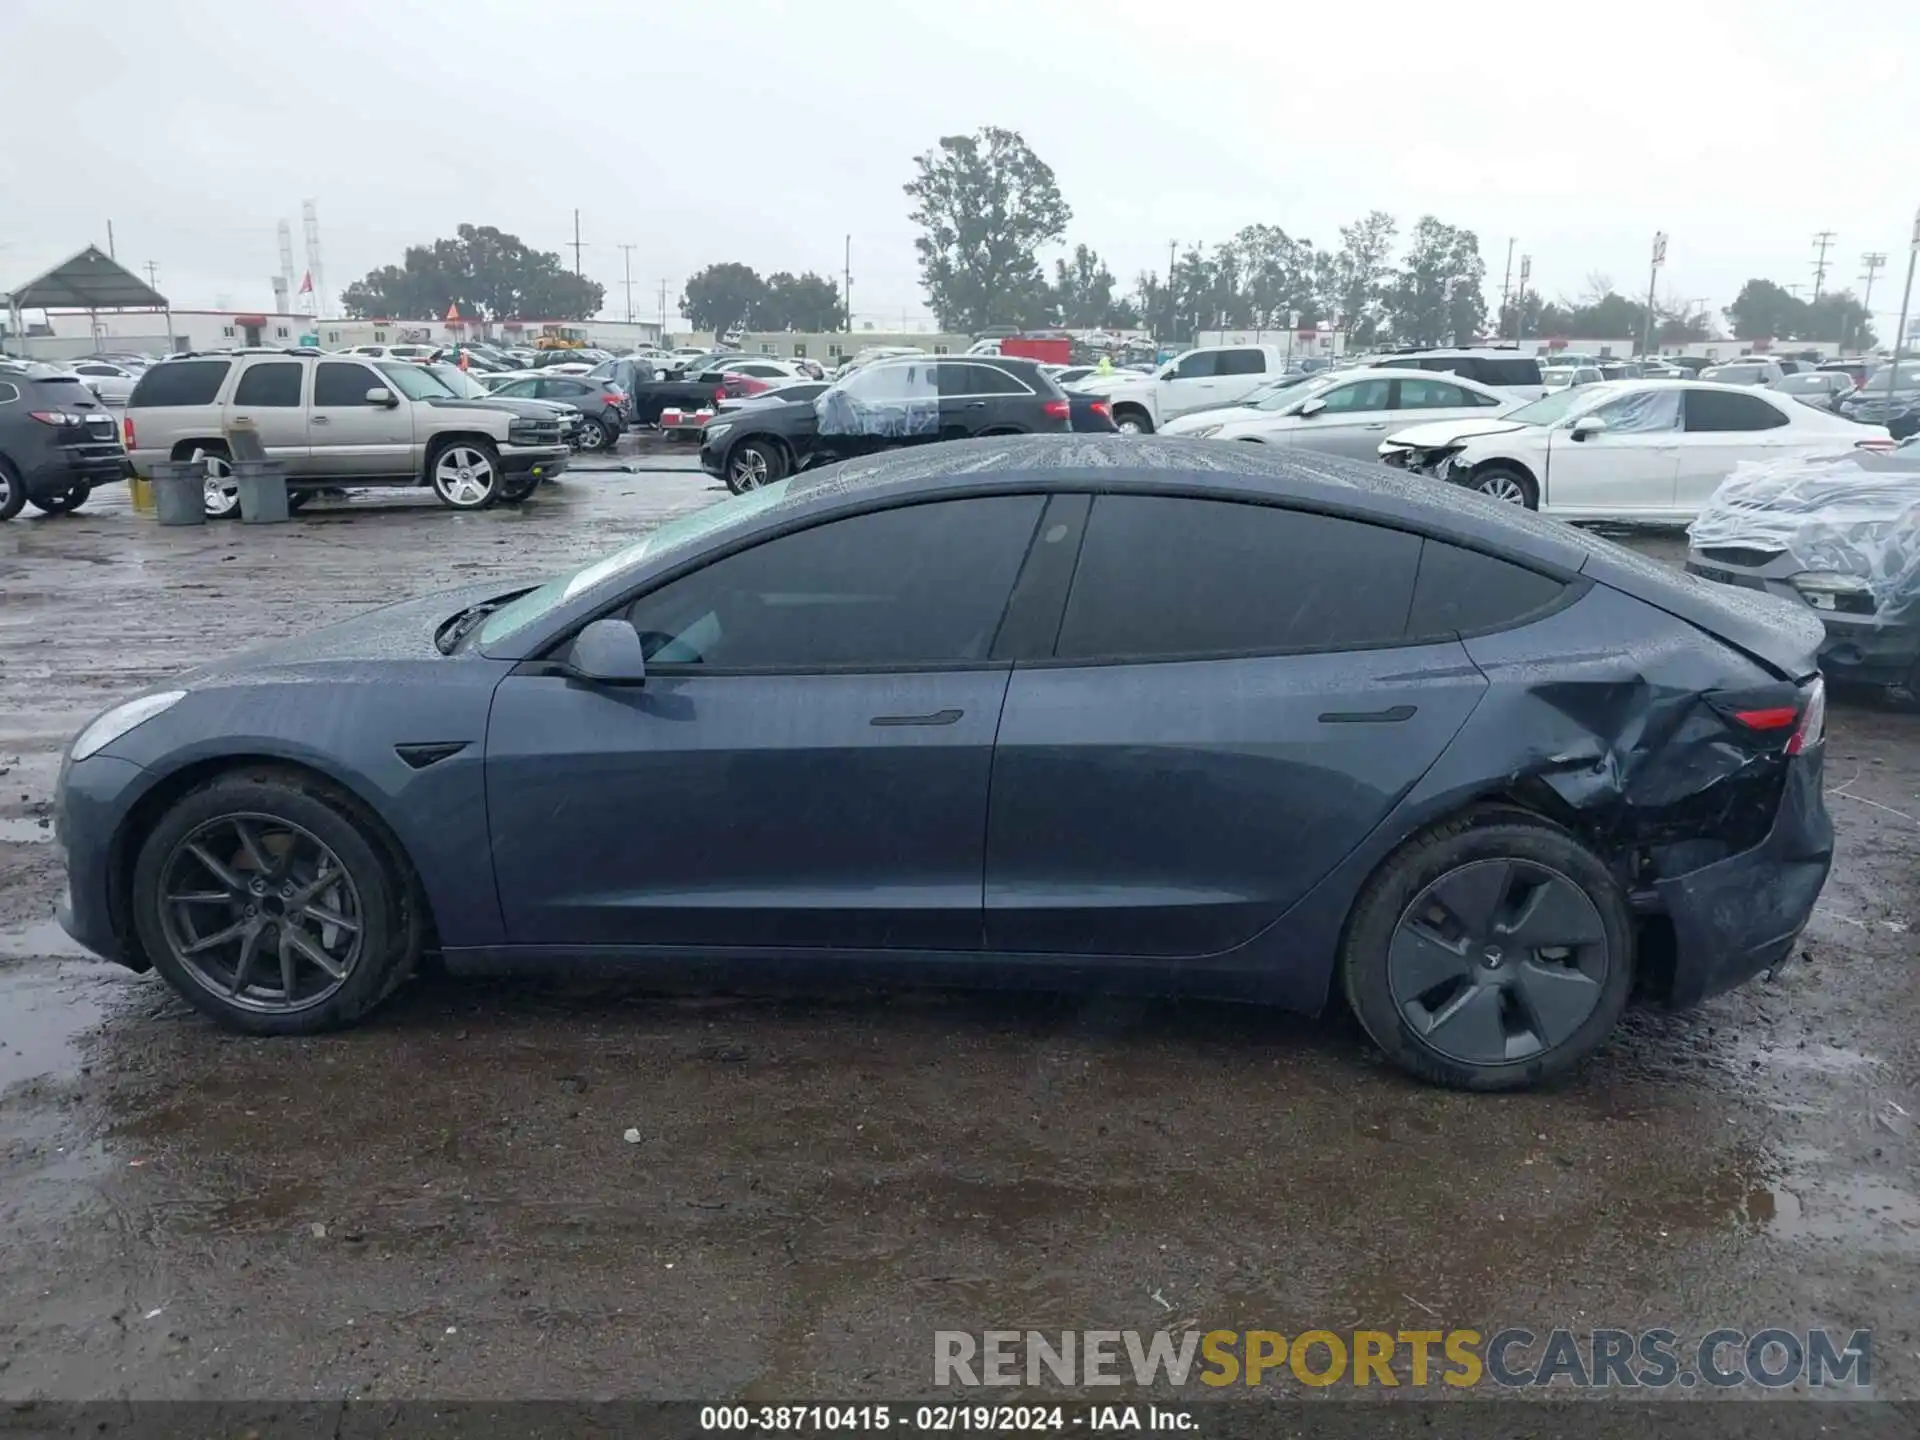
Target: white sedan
1346,413
1647,450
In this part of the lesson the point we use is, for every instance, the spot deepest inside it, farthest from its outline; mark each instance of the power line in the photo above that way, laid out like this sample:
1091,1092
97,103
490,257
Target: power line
627,260
1825,241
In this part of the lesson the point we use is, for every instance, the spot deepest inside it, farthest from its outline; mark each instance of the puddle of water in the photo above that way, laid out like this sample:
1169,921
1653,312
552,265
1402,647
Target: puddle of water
41,939
1814,1059
44,1009
25,830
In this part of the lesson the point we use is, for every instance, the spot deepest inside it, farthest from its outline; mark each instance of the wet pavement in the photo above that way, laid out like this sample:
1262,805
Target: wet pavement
444,1203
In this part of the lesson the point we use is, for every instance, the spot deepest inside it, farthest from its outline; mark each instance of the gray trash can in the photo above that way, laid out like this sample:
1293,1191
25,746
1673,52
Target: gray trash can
180,492
263,491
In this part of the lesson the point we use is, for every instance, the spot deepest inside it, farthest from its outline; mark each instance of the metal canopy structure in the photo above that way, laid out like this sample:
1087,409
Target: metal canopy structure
91,280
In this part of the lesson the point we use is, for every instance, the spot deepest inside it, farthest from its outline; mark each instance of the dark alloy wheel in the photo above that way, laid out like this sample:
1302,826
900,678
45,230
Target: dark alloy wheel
274,904
1491,953
61,502
752,465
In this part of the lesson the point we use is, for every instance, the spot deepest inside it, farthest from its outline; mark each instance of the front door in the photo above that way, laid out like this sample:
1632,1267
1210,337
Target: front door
1354,420
806,766
348,433
1626,469
1217,730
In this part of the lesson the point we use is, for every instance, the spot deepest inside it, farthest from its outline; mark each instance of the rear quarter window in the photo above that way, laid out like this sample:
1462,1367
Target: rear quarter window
180,382
1463,591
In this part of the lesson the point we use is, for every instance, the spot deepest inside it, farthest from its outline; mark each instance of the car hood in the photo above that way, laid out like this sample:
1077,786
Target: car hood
1115,384
403,631
530,409
1438,434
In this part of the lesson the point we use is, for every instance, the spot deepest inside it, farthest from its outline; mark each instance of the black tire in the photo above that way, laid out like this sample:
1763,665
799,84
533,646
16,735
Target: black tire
1504,482
465,474
388,915
1905,694
297,500
1541,861
753,464
518,489
13,495
1132,420
63,502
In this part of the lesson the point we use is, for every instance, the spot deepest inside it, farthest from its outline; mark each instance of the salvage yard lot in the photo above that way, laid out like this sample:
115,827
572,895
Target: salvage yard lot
445,1202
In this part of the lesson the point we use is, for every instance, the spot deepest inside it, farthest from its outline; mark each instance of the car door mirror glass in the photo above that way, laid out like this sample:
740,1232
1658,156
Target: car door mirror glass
1587,425
380,395
608,652
1309,408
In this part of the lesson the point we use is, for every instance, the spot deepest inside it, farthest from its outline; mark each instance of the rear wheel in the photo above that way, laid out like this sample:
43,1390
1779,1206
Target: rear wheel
1132,420
596,434
13,494
273,905
753,465
1491,953
1503,482
466,475
61,502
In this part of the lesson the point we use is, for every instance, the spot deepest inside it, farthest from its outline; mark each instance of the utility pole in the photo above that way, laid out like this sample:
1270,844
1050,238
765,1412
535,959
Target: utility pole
1824,240
1506,275
576,242
663,310
153,275
1874,260
1653,275
1906,298
1520,315
627,261
846,284
110,250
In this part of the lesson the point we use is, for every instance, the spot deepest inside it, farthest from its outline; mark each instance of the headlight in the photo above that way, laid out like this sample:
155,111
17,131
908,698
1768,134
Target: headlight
1201,432
122,718
716,431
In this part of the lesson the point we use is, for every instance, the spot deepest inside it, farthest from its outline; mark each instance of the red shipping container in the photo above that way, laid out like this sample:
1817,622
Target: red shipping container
1047,352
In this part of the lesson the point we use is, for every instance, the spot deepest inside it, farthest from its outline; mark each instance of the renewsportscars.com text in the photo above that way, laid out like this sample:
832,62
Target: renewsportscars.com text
1512,1358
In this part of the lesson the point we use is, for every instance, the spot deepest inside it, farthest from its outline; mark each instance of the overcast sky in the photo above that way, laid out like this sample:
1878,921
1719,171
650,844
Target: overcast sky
765,132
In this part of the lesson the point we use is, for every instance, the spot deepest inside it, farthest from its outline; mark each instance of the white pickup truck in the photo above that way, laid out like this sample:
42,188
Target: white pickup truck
1200,379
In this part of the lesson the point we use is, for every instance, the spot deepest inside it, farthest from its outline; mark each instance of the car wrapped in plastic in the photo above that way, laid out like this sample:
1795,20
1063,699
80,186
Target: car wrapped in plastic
1840,536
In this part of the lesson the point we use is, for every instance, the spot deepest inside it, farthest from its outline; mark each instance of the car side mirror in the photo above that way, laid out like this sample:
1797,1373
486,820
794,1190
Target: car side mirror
1588,425
380,395
1309,408
608,652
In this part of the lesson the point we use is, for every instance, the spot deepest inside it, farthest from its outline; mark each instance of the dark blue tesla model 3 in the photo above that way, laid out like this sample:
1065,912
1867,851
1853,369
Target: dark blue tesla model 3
1061,711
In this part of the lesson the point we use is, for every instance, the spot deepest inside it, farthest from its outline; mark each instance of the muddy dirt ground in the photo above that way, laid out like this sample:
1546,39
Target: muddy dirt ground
443,1204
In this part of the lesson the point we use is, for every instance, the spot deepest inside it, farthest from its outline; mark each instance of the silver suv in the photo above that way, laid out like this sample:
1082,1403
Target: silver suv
340,421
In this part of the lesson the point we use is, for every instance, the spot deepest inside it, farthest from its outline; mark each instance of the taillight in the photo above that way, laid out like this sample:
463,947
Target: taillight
1056,409
1813,719
126,430
1102,408
1877,445
1773,717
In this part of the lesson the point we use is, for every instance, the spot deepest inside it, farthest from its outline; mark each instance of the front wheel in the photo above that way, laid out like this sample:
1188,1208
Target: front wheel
752,465
466,475
273,905
1494,952
13,494
1502,482
61,502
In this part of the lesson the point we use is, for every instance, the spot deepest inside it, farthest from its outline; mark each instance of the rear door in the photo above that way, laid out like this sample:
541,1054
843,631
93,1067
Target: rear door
271,396
1722,428
347,433
1229,708
1625,470
806,766
1239,372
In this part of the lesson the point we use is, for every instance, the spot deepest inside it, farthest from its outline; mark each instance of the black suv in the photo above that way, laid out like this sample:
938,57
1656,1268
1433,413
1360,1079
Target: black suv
908,400
56,440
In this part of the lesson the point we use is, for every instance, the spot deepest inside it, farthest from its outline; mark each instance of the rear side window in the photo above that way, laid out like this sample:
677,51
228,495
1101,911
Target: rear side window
8,393
1241,362
1722,410
275,385
1463,590
1164,576
180,382
1507,372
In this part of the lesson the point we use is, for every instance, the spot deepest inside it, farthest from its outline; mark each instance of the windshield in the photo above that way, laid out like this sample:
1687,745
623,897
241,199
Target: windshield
1558,406
675,534
1557,375
1909,374
412,381
459,382
1283,392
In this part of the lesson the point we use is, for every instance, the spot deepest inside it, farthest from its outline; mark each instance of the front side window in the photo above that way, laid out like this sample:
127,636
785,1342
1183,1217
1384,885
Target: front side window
1359,395
518,389
336,383
274,386
1723,410
917,585
414,381
1201,365
1648,412
1164,576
